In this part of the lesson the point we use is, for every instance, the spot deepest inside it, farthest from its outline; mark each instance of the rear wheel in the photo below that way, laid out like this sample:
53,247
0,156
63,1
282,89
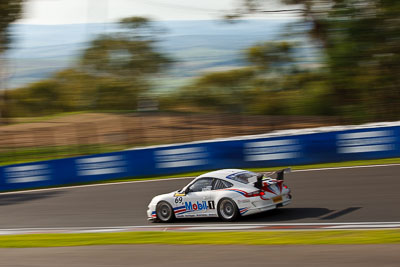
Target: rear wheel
164,212
227,210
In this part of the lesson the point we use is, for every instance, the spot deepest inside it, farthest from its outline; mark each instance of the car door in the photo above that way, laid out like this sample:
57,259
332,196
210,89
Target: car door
197,197
215,193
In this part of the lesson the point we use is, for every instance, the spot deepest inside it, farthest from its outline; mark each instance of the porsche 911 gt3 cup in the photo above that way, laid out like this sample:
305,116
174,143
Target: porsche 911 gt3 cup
227,194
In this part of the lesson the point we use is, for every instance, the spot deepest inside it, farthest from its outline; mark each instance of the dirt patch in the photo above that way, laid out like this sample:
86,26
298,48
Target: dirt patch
142,129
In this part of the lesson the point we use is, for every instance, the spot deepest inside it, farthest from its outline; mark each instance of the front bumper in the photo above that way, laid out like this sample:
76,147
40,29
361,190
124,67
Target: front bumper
151,213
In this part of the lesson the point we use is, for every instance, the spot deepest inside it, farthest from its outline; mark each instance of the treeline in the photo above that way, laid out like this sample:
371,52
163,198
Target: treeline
357,79
73,90
273,83
112,74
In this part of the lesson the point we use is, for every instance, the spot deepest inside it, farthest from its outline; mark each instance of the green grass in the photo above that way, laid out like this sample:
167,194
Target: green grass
26,155
45,117
206,238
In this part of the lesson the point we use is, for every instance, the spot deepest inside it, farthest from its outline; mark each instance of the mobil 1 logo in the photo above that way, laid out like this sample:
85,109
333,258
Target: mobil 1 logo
200,205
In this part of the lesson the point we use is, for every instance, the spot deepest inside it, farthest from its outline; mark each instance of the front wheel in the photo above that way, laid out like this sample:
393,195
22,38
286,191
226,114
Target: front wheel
164,212
227,210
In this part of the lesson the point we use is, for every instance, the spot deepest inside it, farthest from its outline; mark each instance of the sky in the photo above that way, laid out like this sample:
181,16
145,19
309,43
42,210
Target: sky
94,11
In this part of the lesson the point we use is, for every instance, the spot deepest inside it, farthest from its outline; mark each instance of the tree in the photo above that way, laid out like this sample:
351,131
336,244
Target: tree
361,47
10,11
269,55
112,74
239,90
40,98
130,54
72,90
221,91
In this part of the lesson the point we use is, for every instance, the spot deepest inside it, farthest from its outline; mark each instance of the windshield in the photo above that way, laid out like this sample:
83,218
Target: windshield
242,177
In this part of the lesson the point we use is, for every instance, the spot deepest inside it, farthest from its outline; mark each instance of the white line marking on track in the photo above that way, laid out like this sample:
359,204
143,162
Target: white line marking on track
364,226
348,167
181,178
265,224
209,227
161,225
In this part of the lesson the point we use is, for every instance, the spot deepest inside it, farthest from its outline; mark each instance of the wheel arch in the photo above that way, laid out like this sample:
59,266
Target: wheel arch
172,217
235,214
228,194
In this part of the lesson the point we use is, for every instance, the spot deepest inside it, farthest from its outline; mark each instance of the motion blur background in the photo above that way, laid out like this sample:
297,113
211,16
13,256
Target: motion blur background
85,77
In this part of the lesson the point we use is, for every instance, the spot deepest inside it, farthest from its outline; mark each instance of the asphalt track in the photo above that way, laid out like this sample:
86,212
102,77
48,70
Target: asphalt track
202,255
320,196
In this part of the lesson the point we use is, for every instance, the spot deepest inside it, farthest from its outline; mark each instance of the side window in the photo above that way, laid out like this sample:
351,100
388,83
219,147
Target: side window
202,184
227,184
221,184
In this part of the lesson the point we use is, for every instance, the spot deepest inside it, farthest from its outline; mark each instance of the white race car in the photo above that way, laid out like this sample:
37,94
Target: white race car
227,194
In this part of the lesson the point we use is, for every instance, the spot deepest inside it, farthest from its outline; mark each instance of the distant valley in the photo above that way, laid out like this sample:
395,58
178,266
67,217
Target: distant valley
198,46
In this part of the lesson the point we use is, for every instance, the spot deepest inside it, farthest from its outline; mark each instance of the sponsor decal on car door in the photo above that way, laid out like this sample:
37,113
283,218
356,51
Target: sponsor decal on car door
194,204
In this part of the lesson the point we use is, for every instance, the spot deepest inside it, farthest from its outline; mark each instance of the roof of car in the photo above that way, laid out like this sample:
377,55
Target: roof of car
221,173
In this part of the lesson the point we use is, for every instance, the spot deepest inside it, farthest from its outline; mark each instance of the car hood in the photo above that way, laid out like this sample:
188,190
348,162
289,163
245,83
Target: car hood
163,197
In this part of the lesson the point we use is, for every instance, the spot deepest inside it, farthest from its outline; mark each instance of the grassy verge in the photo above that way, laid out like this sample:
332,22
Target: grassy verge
36,154
206,238
45,118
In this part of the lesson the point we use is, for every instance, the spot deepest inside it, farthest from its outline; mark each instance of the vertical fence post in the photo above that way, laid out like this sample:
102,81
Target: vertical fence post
93,140
77,138
53,141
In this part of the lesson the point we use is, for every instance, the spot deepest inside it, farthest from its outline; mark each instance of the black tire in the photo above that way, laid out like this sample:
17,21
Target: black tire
164,212
227,210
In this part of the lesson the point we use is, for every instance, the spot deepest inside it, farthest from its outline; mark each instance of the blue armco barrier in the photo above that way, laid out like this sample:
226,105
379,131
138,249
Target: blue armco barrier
257,151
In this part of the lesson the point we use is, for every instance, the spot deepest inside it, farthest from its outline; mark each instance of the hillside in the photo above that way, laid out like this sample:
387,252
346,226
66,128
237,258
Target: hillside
198,46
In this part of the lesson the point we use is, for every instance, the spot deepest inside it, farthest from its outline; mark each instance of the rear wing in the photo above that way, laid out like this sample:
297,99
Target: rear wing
280,173
279,176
